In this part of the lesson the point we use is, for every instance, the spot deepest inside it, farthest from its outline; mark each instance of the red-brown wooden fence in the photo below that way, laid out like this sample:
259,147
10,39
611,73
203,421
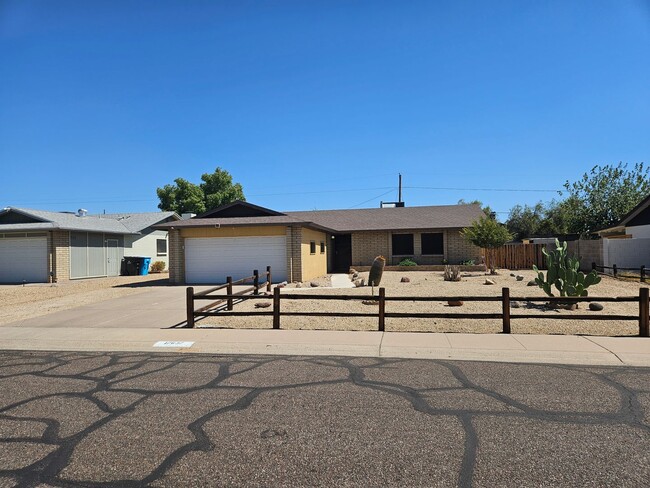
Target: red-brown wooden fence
515,256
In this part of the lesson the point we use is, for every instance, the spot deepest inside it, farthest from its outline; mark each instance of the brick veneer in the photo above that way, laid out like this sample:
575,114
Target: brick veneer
60,255
294,256
459,249
366,246
176,257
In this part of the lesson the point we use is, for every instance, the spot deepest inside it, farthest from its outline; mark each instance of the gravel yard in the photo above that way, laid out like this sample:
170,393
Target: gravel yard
19,302
424,283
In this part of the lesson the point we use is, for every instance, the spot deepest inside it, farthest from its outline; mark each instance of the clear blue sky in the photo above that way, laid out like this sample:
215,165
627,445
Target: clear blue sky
317,104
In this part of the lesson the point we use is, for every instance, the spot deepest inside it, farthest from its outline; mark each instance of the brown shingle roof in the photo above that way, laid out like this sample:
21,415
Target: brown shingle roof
367,219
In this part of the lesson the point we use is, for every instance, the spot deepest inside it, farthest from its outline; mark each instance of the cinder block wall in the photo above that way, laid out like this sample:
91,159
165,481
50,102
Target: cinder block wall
589,251
176,253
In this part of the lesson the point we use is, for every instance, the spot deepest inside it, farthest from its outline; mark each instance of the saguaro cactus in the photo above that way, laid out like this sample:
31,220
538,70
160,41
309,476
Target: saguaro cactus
563,273
377,269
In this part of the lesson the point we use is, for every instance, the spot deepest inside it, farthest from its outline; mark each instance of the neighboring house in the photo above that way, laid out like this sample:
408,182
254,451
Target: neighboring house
627,244
37,246
237,238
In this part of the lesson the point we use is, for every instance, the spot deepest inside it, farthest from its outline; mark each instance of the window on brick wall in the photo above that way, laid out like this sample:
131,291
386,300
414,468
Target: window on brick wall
402,244
432,243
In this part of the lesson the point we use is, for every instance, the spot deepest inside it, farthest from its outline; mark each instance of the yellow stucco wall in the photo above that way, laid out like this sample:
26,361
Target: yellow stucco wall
313,265
260,230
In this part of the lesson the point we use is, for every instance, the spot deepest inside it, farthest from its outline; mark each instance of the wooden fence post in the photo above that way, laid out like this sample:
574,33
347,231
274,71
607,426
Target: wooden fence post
644,311
256,282
505,306
643,273
268,279
229,291
189,294
276,308
382,309
615,270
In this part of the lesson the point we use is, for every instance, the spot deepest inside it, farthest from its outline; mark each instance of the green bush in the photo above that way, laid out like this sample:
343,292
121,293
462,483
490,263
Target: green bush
157,267
469,262
407,262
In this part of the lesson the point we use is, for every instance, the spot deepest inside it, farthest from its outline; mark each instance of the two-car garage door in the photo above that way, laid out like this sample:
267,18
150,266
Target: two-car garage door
23,259
211,260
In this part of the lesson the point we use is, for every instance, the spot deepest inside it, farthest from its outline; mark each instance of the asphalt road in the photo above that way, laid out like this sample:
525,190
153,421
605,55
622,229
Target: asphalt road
138,419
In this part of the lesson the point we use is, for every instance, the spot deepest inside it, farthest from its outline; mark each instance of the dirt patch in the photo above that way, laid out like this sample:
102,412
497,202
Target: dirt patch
422,283
23,302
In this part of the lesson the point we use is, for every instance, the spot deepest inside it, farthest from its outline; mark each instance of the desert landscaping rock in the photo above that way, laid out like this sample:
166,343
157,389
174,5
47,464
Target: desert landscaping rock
531,283
405,279
262,304
455,303
488,281
313,284
519,278
595,306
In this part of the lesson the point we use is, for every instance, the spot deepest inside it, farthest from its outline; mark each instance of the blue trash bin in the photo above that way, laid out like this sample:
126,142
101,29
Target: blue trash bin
144,266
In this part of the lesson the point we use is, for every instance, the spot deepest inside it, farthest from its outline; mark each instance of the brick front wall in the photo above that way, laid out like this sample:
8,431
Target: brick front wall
458,249
294,256
366,246
176,257
60,255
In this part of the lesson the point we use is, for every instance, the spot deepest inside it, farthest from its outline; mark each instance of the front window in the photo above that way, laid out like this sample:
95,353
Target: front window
402,244
161,247
433,243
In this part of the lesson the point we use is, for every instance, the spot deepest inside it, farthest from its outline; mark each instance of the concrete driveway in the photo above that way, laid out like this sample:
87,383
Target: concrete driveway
161,307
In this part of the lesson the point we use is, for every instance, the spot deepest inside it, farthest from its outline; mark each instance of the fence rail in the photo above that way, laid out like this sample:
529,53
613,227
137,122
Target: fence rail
615,269
643,299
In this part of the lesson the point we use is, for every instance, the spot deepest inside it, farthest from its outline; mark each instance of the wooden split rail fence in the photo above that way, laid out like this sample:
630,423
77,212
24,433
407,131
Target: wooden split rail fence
643,299
227,300
615,269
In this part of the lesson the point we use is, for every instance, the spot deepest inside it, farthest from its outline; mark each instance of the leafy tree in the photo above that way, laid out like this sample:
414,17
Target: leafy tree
487,234
486,208
218,189
539,220
183,196
604,195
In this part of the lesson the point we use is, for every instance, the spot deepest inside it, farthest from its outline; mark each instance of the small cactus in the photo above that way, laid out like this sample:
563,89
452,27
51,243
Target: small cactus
377,269
452,273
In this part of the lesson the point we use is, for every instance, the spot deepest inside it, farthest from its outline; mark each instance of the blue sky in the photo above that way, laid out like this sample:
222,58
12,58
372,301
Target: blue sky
317,104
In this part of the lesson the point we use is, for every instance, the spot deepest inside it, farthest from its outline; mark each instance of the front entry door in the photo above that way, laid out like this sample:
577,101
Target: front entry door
342,253
112,258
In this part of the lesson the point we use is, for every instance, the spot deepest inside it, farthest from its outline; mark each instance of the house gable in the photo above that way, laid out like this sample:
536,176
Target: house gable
642,218
236,209
13,217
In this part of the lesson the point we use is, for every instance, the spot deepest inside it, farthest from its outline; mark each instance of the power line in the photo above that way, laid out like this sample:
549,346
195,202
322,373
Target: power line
480,189
373,198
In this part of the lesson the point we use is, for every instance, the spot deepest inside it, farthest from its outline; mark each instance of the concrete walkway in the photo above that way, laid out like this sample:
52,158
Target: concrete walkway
341,280
585,350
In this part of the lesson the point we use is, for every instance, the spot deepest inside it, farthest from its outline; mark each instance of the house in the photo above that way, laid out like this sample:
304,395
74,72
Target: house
627,244
38,246
237,238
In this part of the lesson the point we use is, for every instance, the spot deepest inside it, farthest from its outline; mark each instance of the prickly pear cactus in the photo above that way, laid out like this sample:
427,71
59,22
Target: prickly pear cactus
564,274
377,269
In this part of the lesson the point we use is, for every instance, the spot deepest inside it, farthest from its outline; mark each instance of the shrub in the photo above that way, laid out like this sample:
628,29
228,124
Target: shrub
469,262
157,267
407,262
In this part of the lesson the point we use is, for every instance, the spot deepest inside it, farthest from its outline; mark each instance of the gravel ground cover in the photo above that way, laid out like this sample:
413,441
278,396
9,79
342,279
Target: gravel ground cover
423,283
19,302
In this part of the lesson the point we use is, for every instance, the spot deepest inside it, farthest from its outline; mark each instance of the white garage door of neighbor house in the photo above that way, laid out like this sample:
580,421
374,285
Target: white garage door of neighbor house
23,259
211,260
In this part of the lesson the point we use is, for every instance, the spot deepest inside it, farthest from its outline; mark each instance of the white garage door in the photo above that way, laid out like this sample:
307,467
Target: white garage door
23,259
210,260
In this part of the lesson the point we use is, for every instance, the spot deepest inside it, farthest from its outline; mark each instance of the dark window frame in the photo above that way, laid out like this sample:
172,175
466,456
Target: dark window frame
433,245
403,245
312,247
322,247
158,251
